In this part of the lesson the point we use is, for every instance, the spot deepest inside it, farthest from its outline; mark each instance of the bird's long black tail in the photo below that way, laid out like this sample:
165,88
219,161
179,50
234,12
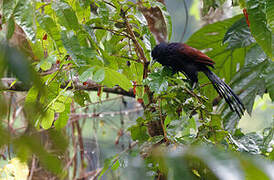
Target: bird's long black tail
226,92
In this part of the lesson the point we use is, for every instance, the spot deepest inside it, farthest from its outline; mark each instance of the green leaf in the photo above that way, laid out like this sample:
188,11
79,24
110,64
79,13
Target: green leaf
32,96
22,13
24,17
58,107
47,119
270,14
103,12
254,56
157,81
45,65
260,29
99,33
88,73
11,27
113,78
99,75
81,97
8,8
251,143
108,163
115,166
139,133
73,47
62,120
80,54
53,90
238,35
66,15
47,23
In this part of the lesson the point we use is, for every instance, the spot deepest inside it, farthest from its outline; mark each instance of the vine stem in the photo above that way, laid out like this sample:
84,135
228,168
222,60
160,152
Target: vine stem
139,51
162,121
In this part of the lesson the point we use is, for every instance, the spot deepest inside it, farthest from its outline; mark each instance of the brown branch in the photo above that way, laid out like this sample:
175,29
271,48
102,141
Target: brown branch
139,51
94,174
5,84
74,144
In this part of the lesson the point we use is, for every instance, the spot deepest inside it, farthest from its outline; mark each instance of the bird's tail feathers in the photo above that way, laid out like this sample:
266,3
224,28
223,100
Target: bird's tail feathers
226,92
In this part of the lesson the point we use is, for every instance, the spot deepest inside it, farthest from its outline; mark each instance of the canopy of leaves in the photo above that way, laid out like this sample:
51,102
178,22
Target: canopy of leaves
74,46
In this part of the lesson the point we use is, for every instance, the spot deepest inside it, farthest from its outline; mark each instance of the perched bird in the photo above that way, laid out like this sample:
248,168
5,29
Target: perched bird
183,58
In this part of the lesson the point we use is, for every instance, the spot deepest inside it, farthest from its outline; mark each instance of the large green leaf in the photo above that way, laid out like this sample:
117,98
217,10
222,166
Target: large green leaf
270,14
260,29
66,15
7,9
113,78
238,35
80,54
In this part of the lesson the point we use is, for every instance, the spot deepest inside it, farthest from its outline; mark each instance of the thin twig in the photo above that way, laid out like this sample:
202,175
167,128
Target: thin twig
110,4
32,168
129,58
94,174
71,160
112,31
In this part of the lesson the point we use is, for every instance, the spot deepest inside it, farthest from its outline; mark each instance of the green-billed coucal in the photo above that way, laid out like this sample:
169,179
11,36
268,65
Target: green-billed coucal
188,60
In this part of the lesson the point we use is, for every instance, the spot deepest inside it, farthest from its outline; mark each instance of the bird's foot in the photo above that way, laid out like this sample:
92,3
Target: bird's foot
194,85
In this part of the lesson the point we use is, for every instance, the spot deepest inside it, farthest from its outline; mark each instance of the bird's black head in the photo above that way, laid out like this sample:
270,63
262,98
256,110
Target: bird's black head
158,51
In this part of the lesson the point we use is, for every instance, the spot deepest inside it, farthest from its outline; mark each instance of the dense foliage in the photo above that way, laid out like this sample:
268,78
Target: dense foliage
66,48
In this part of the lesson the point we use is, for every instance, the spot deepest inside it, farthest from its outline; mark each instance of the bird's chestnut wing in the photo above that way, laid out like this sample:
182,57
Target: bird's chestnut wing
195,55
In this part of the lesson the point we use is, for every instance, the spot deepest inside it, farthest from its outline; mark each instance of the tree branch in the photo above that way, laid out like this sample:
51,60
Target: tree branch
5,85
